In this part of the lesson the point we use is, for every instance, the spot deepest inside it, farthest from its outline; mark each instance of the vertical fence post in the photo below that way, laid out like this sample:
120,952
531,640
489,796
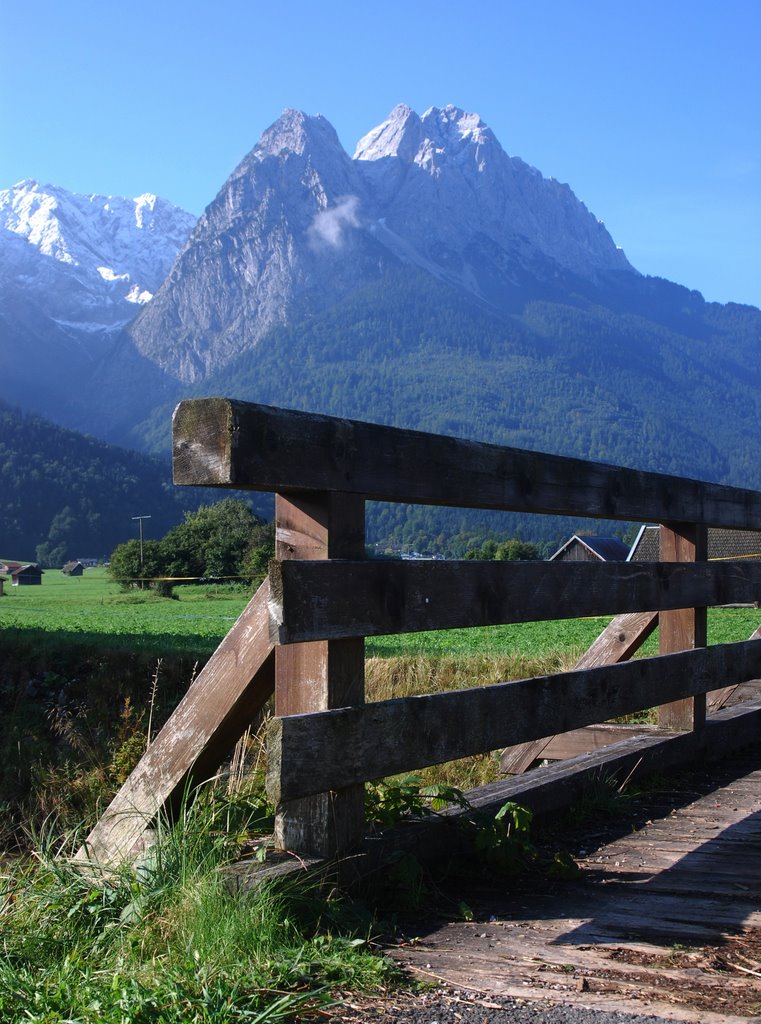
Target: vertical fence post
685,628
323,674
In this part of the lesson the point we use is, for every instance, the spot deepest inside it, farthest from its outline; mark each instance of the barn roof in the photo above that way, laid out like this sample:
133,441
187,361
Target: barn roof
608,549
25,569
721,544
10,566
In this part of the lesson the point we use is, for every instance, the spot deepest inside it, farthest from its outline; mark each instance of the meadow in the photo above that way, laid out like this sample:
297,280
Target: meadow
94,609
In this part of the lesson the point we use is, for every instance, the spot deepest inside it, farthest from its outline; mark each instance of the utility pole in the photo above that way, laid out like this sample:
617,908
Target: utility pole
140,521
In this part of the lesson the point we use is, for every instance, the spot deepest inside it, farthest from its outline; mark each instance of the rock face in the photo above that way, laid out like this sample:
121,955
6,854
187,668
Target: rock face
282,234
430,280
444,184
298,224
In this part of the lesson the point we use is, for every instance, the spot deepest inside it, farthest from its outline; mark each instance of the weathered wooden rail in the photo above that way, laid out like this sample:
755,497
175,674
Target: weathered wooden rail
303,633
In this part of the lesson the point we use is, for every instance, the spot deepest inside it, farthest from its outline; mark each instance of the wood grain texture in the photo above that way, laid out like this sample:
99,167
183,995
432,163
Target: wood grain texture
314,600
687,627
319,675
223,443
220,704
653,890
313,753
620,640
593,737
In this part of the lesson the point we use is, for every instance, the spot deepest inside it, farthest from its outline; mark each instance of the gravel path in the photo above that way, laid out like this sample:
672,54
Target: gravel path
439,1007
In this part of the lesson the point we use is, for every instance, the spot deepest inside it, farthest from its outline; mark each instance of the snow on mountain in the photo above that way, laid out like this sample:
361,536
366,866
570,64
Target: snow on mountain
88,261
74,269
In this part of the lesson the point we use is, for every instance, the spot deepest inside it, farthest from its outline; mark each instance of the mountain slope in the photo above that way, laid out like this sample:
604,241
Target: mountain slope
73,271
571,379
435,282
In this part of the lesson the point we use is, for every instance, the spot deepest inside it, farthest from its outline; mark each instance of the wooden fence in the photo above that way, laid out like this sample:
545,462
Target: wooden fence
302,634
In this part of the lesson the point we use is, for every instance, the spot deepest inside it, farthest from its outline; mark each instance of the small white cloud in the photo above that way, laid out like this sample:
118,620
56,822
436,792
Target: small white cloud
329,226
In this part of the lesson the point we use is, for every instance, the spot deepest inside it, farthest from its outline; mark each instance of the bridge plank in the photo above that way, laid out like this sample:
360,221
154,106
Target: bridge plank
219,442
319,600
328,750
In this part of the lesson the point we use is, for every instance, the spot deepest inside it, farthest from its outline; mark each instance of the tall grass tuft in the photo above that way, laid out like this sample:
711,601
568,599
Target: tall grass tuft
166,941
412,674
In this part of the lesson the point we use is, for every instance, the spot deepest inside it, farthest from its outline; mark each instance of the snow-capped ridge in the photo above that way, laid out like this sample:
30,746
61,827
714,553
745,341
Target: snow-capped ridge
399,136
75,229
83,263
450,160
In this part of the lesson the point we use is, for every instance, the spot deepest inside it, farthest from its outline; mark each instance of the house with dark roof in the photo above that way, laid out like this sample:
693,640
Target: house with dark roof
73,569
26,575
721,544
591,549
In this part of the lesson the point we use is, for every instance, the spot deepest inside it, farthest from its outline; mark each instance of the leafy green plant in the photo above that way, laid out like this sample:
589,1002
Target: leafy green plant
504,840
389,803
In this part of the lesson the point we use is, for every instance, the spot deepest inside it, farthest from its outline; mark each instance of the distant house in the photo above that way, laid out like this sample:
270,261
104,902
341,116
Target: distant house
721,544
73,569
591,549
9,567
3,581
26,575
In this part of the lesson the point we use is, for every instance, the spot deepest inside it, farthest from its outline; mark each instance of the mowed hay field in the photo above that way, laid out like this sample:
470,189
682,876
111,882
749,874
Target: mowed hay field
94,609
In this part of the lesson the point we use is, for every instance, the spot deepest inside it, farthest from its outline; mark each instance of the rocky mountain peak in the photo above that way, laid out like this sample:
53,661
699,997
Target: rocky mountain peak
296,132
400,136
299,224
450,124
449,159
441,133
92,231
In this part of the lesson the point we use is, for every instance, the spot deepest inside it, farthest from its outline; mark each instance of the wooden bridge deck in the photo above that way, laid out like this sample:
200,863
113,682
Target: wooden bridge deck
665,919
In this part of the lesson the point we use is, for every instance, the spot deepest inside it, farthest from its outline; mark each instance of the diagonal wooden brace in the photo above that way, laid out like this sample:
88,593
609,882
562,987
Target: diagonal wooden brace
620,639
232,687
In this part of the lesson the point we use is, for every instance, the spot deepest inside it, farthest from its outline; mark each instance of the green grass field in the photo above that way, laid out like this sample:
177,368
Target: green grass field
93,609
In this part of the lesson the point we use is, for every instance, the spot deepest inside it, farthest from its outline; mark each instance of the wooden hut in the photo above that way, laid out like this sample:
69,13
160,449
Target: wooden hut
26,575
591,549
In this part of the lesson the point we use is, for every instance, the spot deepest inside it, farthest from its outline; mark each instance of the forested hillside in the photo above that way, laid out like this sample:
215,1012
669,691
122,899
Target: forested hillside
676,391
64,495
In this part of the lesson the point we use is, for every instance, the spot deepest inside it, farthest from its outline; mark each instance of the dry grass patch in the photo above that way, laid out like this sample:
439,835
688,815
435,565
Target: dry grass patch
413,674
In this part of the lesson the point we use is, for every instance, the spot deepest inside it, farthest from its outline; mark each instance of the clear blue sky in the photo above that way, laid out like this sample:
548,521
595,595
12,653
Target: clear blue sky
650,110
